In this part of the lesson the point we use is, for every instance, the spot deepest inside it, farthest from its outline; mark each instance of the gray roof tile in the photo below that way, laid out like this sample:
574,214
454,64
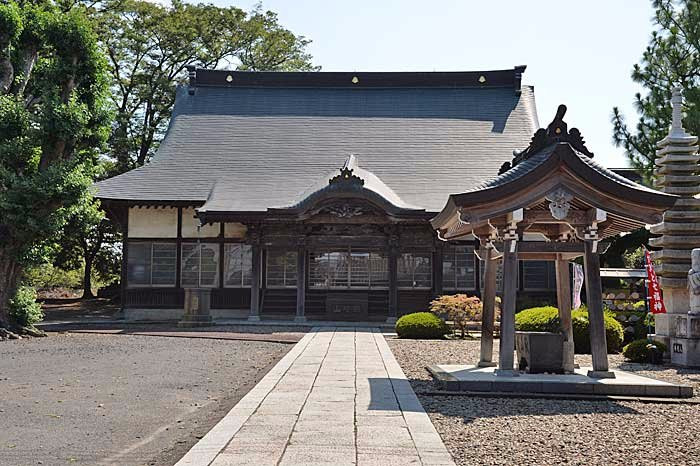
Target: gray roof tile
266,146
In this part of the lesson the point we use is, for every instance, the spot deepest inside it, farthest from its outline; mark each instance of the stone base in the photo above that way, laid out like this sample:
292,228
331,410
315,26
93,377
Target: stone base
197,307
506,373
487,364
685,352
189,323
254,318
469,378
300,319
600,374
391,320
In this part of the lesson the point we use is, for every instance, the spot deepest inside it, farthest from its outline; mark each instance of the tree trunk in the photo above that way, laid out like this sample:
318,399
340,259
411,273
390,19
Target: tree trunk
10,272
87,279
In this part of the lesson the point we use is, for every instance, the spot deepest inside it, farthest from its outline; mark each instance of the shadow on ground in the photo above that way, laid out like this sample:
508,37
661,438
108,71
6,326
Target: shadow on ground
487,407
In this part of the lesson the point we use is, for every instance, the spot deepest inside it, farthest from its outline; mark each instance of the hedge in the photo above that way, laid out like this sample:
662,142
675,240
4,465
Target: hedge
546,319
639,350
421,325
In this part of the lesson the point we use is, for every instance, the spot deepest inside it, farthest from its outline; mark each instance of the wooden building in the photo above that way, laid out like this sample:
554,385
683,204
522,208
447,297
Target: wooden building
314,193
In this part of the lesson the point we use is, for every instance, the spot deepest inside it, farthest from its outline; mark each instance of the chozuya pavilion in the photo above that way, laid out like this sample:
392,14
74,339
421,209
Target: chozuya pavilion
552,202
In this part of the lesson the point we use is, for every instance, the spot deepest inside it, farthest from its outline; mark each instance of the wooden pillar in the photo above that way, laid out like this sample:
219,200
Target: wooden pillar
564,305
510,284
437,268
125,263
489,307
594,298
255,283
393,285
301,284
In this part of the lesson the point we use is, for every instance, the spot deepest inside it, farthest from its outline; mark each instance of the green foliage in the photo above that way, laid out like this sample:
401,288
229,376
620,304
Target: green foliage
24,309
53,120
46,276
421,325
546,319
458,308
10,21
614,333
671,59
640,350
149,45
538,319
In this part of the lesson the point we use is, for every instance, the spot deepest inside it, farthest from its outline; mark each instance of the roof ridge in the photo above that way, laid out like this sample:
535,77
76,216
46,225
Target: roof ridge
202,77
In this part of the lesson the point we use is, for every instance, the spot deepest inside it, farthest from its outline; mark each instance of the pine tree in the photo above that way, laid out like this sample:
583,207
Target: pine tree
671,59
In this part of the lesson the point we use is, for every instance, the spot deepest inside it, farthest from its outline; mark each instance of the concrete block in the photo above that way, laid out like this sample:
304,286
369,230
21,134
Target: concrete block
662,324
685,351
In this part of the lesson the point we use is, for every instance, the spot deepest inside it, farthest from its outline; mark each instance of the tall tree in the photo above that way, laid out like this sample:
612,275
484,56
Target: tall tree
148,47
671,59
53,118
150,44
88,241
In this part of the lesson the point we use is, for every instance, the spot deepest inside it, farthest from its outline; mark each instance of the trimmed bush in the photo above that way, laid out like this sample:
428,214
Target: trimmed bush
421,325
640,350
24,309
614,333
546,319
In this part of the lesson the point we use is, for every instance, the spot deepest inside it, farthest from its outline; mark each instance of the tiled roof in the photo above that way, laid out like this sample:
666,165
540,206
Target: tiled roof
264,146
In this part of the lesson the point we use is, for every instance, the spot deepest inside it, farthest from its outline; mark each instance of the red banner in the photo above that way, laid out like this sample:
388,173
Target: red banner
656,302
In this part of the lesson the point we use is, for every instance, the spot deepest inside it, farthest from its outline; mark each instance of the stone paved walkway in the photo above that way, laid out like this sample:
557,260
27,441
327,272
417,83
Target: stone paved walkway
339,397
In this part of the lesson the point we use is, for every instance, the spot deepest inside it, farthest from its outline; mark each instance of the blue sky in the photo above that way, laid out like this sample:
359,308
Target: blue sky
577,53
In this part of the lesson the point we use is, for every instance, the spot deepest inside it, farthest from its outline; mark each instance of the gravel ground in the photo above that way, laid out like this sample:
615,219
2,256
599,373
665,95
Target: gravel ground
541,431
119,399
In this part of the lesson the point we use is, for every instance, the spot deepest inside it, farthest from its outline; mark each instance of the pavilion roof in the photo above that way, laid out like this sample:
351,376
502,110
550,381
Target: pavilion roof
556,161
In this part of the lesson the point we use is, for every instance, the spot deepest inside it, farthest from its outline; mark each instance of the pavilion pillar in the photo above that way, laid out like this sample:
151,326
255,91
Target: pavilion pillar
594,298
564,305
393,285
489,307
301,284
255,283
510,283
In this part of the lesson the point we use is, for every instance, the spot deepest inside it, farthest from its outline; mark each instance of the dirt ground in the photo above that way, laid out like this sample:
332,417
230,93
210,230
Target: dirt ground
78,398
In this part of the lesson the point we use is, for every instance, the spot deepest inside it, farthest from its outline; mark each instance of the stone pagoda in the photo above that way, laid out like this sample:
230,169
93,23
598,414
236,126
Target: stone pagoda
678,172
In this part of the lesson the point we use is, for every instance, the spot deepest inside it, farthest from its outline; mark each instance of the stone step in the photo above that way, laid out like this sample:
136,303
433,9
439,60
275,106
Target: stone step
678,140
672,255
678,167
681,215
687,203
673,282
676,242
673,158
682,190
675,227
677,148
672,270
667,180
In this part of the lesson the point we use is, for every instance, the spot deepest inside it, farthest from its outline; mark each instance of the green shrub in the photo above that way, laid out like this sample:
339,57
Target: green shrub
23,307
459,308
421,325
538,319
546,319
614,333
639,350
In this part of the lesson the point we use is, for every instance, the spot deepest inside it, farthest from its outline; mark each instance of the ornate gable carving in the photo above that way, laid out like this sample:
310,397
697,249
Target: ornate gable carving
556,132
346,178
